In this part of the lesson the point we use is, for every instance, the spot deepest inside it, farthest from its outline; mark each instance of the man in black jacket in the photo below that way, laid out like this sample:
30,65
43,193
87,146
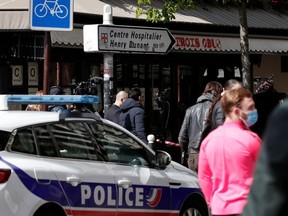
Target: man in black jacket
195,122
56,90
114,111
132,115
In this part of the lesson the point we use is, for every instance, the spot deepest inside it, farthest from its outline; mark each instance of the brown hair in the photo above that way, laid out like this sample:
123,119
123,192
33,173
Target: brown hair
233,98
214,88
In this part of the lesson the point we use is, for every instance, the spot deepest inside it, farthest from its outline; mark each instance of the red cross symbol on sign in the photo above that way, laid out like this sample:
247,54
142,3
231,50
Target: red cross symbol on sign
104,37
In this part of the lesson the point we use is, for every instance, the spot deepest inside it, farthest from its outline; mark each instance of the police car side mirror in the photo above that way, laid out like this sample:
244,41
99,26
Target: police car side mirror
162,159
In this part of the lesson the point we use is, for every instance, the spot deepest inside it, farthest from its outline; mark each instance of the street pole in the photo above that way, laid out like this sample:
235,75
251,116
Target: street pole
108,63
46,67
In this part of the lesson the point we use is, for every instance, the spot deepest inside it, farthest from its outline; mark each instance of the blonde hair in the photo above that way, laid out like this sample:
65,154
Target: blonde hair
233,98
35,107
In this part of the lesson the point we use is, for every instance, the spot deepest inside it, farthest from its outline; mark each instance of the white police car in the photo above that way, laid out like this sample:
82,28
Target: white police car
73,163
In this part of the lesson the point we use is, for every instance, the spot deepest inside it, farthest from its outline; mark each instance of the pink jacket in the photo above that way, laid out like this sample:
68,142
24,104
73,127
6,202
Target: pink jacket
227,160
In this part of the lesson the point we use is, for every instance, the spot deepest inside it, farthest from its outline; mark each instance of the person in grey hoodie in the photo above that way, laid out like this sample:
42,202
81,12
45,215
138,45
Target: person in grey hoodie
216,114
132,114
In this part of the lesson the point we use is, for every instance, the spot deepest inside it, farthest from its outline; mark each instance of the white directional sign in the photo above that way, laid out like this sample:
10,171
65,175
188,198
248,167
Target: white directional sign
127,39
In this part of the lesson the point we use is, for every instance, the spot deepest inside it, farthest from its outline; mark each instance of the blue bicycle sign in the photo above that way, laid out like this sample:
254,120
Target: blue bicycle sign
51,15
53,7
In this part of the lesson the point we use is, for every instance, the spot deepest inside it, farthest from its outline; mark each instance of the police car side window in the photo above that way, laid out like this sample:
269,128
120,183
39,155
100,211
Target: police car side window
73,141
4,137
45,143
23,141
120,147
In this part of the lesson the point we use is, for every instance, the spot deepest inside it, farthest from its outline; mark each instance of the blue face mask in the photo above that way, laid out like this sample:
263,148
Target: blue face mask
252,117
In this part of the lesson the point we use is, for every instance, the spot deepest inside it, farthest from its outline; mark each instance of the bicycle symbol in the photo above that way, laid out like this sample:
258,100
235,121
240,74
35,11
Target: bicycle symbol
41,10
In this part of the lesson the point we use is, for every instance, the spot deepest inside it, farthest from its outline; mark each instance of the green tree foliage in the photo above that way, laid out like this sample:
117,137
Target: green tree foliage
167,13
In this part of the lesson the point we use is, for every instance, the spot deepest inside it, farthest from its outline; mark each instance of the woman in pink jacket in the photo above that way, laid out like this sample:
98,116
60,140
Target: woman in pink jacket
228,155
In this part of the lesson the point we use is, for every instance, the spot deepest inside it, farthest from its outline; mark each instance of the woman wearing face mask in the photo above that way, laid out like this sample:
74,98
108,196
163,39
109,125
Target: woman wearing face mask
228,155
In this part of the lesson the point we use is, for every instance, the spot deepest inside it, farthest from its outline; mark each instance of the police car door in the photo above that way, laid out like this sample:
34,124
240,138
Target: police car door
79,166
140,188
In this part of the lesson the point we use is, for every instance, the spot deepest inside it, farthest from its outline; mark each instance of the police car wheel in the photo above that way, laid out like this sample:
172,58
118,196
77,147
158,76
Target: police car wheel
194,208
50,210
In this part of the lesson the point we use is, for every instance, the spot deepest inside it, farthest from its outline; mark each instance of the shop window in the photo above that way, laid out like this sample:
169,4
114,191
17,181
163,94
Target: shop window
155,72
220,73
166,76
135,71
155,93
284,64
211,72
237,72
119,72
142,72
29,46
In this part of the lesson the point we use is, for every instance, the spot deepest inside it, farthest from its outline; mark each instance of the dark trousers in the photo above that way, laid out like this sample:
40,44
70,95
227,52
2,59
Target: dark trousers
193,161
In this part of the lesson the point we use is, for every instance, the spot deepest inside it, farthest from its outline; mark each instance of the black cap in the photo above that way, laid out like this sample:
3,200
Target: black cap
56,90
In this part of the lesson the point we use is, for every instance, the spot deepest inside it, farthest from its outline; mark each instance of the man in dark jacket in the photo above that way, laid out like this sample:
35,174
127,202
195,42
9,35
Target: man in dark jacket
56,90
194,124
132,115
114,111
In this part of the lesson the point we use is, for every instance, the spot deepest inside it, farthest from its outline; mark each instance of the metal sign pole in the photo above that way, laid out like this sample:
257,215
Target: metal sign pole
108,63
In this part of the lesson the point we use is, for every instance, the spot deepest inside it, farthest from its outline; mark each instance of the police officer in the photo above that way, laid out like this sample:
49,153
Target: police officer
56,90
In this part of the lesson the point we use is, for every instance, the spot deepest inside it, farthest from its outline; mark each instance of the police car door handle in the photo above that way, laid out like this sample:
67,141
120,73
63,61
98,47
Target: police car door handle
124,183
73,180
175,184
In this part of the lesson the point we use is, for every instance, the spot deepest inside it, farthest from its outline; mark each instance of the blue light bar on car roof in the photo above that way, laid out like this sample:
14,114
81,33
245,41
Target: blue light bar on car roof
52,99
